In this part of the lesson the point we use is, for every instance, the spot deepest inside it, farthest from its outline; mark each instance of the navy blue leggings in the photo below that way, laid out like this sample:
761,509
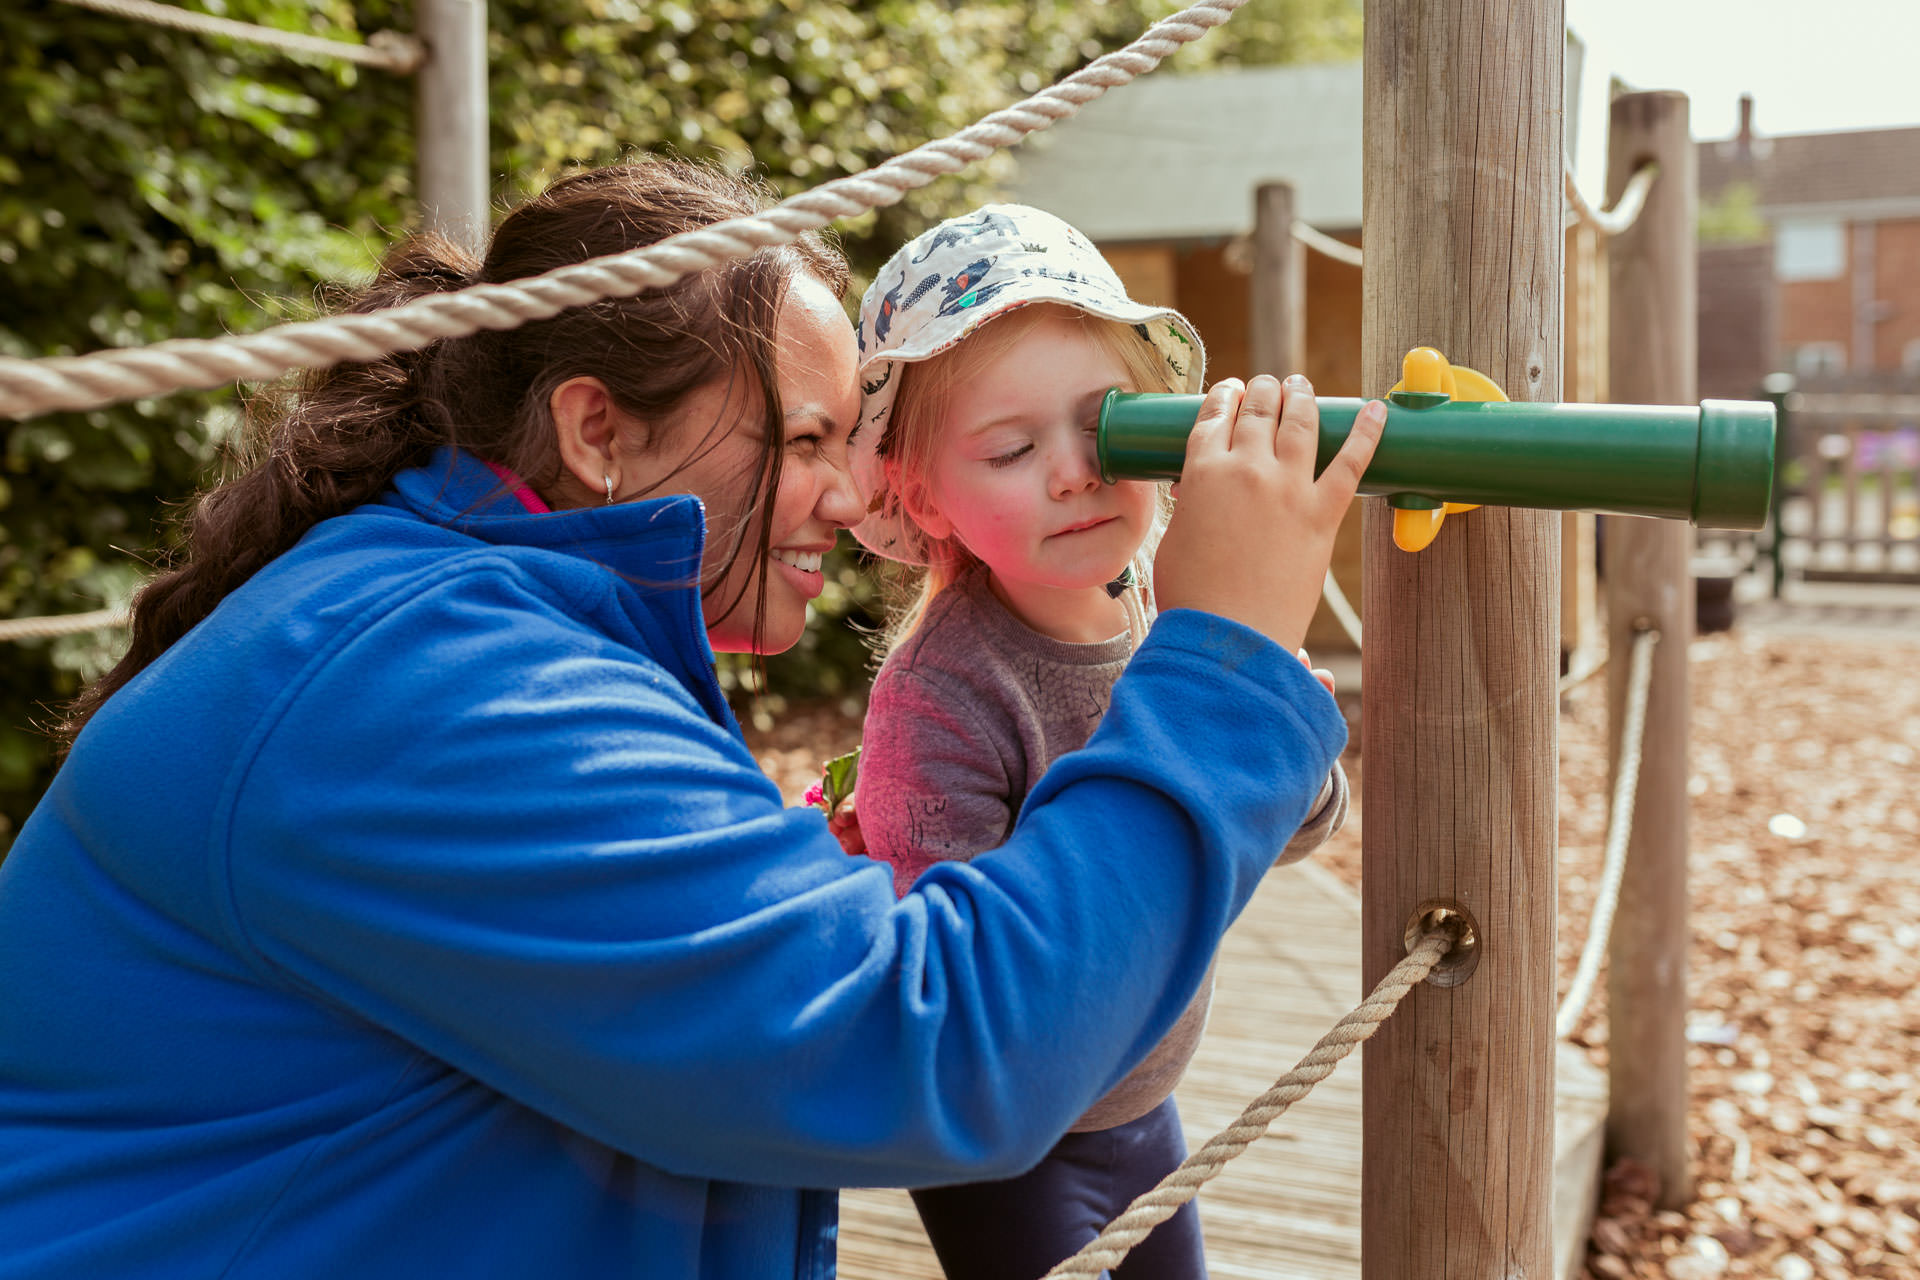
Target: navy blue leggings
1018,1229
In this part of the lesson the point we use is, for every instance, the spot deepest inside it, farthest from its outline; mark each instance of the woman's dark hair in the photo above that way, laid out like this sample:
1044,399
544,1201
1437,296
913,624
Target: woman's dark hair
341,439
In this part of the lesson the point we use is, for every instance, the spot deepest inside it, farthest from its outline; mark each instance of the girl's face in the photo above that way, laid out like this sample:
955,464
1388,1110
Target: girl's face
817,497
1015,477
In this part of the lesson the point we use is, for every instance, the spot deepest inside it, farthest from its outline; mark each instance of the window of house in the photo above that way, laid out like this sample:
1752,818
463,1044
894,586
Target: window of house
1910,357
1813,359
1810,249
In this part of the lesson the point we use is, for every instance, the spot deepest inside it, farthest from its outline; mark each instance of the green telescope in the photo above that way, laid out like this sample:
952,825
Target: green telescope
1711,464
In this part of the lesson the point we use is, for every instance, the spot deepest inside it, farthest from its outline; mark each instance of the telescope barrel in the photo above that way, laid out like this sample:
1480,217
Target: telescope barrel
1712,465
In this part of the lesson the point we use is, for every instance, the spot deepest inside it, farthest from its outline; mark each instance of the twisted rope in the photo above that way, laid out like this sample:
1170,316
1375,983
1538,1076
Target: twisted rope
1320,242
62,624
1626,784
1342,608
1625,211
30,387
387,50
1156,1206
1580,673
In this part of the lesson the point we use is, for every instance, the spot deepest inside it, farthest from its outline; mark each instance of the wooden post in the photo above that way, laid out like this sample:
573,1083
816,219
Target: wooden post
1463,181
1653,360
1279,331
451,107
1583,380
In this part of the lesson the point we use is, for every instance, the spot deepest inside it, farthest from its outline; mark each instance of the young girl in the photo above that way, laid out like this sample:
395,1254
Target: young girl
986,347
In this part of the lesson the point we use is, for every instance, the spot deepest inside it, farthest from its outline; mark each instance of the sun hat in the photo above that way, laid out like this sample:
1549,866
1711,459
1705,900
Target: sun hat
947,282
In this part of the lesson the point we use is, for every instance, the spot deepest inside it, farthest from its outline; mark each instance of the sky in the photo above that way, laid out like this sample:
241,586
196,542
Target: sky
1811,65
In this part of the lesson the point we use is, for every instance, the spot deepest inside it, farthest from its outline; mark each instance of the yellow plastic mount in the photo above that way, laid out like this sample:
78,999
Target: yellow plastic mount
1424,370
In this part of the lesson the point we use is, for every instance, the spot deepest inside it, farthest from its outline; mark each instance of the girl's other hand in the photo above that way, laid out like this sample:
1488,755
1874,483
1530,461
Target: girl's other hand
1253,533
1324,676
845,825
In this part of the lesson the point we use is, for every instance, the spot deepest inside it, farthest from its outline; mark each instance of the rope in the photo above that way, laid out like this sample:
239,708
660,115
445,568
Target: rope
62,624
387,50
1156,1206
1337,601
1321,242
30,387
1578,675
1619,828
1625,211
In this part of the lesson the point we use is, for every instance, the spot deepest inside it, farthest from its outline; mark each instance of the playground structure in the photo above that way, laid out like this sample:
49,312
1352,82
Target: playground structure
1464,238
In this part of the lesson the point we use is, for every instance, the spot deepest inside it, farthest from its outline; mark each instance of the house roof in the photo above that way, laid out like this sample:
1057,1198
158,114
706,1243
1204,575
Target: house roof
1866,172
1176,157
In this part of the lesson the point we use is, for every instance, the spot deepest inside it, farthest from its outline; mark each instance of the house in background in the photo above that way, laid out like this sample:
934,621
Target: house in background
1162,178
1810,258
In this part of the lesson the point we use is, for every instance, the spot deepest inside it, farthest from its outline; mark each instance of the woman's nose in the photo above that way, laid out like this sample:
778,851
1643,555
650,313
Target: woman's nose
841,503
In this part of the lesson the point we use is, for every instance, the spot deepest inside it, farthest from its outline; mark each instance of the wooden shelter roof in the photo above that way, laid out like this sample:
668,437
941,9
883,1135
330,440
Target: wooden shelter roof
1177,157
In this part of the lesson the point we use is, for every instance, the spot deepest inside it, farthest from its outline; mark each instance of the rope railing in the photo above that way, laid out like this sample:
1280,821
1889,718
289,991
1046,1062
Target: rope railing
1625,210
1619,831
386,50
1320,242
61,624
1154,1207
32,387
1342,609
1583,669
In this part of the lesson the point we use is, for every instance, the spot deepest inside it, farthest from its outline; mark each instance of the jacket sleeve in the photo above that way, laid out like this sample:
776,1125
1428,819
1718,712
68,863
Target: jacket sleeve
933,785
525,849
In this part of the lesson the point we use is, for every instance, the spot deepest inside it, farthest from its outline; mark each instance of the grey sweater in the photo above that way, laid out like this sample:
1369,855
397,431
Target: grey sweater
965,716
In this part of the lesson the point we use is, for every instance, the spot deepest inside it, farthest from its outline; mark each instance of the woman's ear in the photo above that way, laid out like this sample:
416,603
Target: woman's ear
918,503
586,427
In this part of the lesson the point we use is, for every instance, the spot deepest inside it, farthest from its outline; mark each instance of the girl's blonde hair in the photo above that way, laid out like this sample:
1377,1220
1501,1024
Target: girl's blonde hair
913,435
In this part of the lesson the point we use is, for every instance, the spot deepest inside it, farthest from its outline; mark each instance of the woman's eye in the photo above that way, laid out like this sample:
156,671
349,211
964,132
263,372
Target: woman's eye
1010,457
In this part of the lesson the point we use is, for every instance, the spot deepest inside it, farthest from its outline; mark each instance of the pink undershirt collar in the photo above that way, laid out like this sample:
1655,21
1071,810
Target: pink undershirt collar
528,498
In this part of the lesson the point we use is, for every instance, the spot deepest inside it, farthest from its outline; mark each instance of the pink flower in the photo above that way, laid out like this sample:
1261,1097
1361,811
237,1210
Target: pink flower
816,796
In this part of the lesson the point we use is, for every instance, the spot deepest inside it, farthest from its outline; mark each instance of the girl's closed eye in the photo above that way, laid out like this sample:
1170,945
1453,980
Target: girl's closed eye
1010,457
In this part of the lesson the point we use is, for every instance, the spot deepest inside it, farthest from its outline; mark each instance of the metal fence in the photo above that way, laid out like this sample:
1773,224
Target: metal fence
1846,503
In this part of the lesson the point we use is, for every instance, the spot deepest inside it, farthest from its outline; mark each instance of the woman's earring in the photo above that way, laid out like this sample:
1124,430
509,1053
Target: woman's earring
609,479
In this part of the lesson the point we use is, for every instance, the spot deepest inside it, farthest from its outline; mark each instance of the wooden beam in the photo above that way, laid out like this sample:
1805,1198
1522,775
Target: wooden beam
451,121
1463,232
1654,360
1279,331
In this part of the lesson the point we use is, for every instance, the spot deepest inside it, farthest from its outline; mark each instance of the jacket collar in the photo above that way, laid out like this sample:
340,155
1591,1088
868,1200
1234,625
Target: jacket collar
659,540
650,548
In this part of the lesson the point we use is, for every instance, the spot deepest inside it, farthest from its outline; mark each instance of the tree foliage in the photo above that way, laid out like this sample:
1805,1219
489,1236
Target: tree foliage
156,184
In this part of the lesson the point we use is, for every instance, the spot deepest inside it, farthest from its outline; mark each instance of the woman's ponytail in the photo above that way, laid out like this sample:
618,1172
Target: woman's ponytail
333,445
342,437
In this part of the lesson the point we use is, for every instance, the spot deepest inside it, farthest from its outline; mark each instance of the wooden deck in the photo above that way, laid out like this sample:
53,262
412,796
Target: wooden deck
1289,1207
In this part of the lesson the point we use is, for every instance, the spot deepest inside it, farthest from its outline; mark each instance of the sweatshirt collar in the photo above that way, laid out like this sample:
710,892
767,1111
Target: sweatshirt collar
652,549
657,541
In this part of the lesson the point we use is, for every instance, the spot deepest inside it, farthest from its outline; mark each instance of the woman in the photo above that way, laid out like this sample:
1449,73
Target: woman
409,902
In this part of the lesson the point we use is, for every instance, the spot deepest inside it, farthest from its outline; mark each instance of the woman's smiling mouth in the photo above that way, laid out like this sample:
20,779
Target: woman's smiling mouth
805,561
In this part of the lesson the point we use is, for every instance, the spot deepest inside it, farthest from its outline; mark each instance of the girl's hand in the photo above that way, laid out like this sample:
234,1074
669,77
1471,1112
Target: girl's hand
1253,533
844,822
1324,676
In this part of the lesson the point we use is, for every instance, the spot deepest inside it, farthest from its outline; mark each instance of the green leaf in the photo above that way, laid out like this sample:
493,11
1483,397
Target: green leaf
840,777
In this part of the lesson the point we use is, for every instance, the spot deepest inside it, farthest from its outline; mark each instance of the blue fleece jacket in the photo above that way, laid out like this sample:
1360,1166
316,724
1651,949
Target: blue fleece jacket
422,912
